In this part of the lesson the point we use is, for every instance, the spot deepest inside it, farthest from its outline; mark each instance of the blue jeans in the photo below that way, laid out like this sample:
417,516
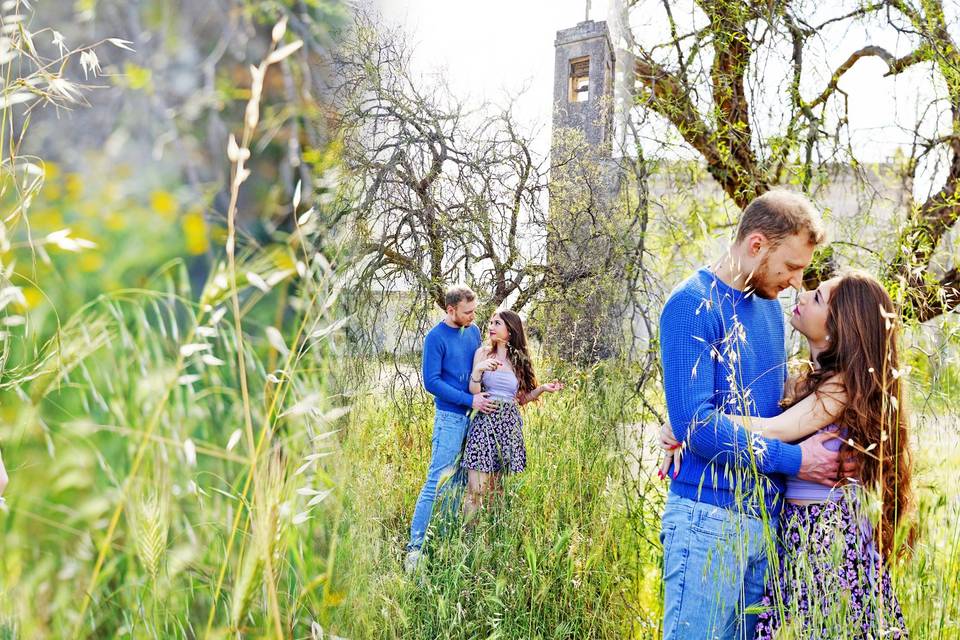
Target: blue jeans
714,564
445,479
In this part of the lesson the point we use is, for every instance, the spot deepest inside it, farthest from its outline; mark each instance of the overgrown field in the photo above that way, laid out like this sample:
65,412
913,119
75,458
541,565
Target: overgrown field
552,560
570,552
573,550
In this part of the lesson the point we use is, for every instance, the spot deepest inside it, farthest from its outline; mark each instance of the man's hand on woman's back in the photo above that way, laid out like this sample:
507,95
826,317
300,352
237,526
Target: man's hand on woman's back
819,464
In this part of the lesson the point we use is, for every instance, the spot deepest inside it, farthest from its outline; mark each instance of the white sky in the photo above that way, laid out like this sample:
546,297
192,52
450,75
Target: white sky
492,48
495,48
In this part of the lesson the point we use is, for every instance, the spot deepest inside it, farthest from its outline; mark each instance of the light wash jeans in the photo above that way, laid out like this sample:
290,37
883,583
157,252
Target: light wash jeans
714,564
444,475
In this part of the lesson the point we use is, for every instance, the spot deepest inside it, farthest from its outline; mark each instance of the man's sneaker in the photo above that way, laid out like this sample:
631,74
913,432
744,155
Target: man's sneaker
411,561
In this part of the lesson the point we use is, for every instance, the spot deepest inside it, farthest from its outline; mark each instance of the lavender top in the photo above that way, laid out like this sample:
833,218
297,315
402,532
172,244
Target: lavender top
501,384
798,489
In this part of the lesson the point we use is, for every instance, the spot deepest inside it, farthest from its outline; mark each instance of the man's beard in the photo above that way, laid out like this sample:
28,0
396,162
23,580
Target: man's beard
761,281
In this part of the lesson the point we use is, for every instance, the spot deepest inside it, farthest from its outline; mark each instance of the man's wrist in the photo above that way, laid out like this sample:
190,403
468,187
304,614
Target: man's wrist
791,459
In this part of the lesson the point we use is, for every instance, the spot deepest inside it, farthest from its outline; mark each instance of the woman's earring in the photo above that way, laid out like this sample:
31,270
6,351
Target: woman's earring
828,337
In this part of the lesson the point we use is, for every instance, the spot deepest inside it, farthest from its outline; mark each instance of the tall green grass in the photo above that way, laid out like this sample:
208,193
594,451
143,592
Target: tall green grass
165,445
927,582
132,412
550,560
572,551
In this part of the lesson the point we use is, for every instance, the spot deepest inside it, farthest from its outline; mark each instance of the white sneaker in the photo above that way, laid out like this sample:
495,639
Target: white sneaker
411,561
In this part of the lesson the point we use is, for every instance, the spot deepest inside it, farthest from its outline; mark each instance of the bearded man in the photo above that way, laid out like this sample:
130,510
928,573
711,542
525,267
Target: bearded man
448,351
723,351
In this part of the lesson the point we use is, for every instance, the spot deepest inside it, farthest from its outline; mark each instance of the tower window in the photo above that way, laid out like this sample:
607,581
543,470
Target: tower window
580,79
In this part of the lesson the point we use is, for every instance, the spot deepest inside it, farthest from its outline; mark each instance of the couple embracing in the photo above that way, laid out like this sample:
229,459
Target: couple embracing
486,381
764,530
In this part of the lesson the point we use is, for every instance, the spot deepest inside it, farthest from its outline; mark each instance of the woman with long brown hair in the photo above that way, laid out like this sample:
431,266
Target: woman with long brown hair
831,573
502,368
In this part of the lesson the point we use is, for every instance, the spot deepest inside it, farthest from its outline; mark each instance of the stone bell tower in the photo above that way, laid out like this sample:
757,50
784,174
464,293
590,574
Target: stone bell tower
586,315
583,83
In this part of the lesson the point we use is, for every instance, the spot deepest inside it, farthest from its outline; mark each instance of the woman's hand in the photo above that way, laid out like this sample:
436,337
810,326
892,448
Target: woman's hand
490,364
547,387
551,387
668,442
673,451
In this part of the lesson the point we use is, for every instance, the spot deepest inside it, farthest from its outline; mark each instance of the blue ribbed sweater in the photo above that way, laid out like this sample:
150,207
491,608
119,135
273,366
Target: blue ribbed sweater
723,352
447,363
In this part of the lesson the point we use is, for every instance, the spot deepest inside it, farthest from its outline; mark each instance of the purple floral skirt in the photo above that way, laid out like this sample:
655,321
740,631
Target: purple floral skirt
829,581
495,441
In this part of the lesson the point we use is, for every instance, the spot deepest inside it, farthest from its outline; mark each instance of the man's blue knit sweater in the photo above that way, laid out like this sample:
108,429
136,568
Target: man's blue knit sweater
723,352
447,363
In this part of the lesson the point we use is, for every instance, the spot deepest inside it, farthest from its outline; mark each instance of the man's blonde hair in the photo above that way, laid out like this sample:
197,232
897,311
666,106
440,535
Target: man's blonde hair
779,214
456,294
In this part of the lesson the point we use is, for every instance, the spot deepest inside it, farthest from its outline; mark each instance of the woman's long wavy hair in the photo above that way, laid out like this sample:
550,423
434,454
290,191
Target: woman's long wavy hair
517,351
863,328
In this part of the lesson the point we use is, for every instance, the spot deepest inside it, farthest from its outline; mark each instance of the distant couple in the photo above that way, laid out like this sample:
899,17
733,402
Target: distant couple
487,381
744,459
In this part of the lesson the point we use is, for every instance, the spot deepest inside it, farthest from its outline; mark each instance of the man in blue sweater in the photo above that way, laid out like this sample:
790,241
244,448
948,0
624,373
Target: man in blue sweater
723,351
447,363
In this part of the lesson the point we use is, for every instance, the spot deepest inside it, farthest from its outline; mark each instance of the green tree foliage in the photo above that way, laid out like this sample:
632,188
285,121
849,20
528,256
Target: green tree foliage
707,76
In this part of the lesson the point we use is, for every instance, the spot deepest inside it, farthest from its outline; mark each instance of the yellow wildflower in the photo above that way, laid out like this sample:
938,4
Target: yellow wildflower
90,261
164,204
195,232
74,185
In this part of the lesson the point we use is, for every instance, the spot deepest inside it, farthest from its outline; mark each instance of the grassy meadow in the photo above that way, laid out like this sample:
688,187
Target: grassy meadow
572,551
159,489
551,560
194,451
168,388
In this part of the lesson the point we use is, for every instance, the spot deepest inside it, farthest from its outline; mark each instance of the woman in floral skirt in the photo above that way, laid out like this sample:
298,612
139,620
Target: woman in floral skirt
494,446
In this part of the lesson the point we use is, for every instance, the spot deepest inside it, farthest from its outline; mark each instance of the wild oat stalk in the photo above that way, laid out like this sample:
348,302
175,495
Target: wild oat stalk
151,524
238,154
144,444
28,79
144,365
270,495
